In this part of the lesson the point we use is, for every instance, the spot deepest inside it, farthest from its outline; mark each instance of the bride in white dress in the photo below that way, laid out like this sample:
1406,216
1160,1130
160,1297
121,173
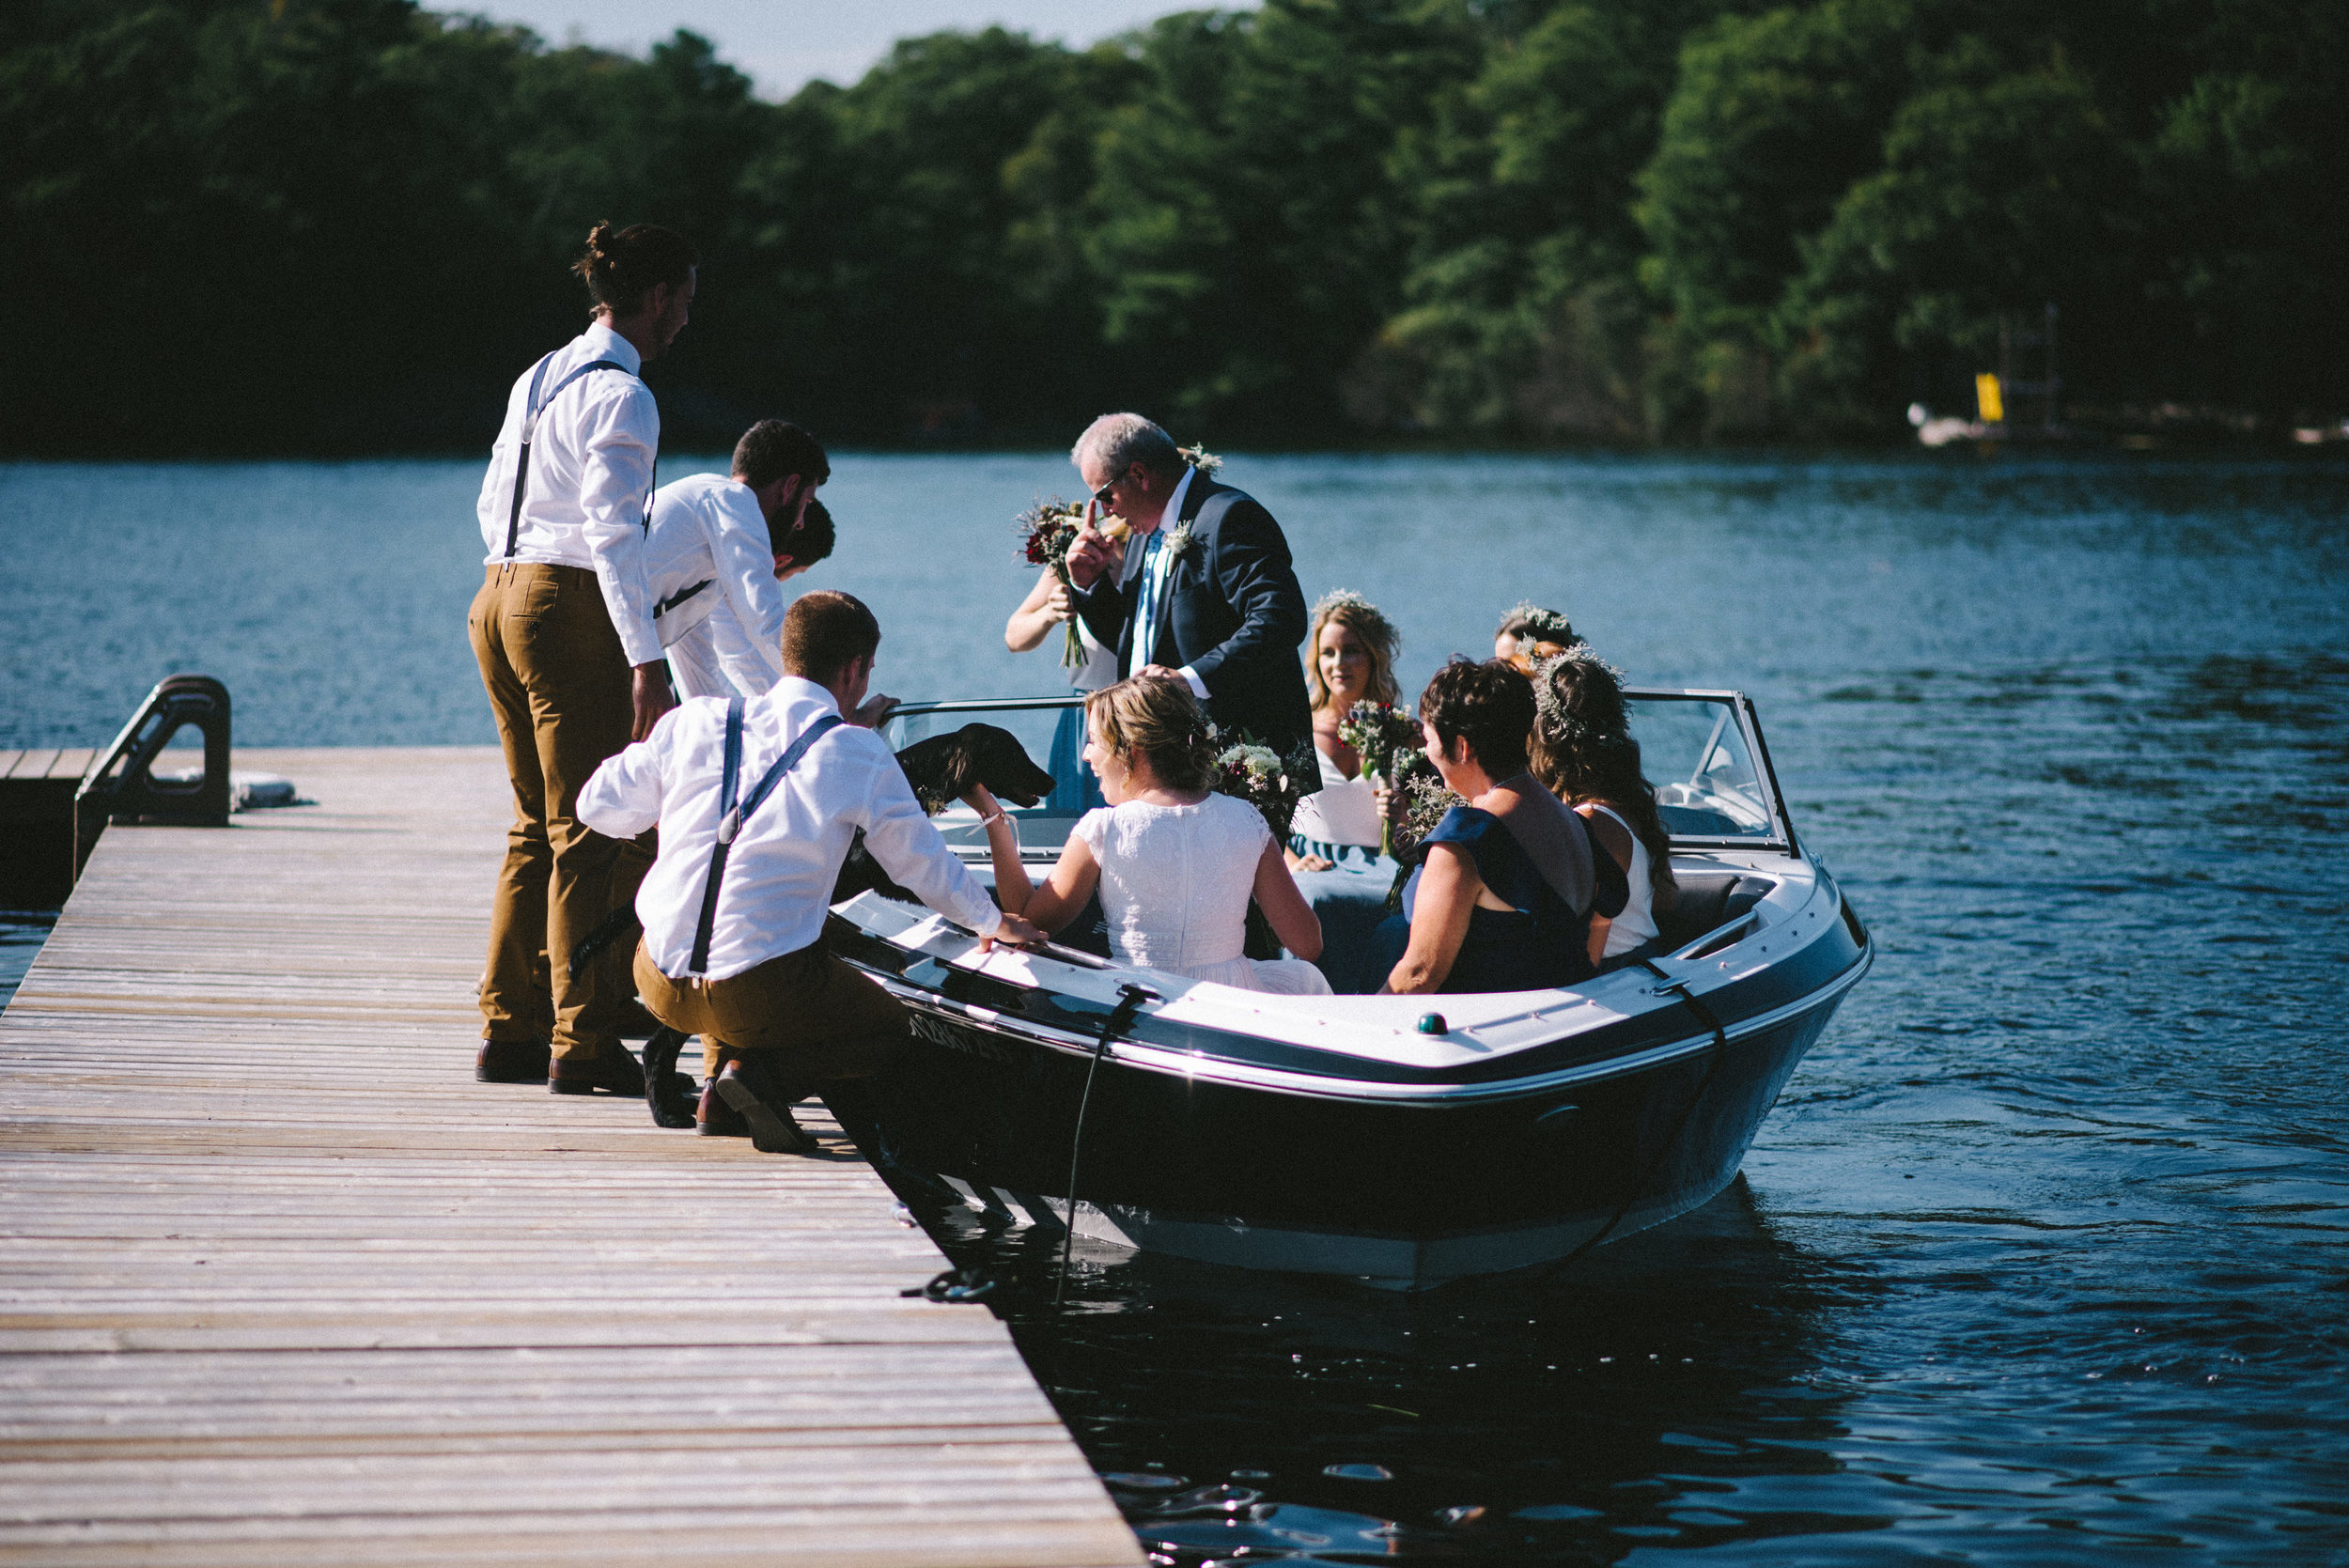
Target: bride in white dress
1175,863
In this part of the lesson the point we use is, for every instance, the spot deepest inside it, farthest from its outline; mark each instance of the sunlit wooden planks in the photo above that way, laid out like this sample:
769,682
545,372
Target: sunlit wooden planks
279,1282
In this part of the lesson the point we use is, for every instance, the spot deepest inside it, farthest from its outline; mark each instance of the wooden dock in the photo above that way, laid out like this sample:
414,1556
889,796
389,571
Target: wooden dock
37,845
281,1283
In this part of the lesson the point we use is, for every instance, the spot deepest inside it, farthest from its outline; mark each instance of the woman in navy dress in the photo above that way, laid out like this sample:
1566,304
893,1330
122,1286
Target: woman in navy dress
1508,881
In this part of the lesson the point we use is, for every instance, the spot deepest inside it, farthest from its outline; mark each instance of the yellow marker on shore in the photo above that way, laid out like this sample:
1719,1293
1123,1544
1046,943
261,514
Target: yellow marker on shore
1993,406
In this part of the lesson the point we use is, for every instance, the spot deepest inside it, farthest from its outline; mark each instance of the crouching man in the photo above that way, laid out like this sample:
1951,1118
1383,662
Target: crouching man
733,946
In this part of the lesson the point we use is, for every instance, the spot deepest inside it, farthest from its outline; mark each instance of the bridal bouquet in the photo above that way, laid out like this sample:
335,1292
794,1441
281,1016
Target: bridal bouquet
1257,775
1047,530
1424,801
1382,735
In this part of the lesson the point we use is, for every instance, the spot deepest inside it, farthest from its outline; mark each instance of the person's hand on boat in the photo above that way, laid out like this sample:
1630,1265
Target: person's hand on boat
650,696
873,711
1304,862
1012,932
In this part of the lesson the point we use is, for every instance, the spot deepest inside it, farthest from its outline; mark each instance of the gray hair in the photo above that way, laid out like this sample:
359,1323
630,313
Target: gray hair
1119,441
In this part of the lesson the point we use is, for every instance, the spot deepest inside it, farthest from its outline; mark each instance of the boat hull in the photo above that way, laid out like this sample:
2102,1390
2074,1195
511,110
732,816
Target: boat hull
1401,1192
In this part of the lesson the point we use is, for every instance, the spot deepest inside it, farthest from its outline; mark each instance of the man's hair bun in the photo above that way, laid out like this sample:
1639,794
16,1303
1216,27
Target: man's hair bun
620,267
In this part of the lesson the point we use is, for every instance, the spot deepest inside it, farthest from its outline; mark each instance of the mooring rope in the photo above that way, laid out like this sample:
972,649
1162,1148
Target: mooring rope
1119,1019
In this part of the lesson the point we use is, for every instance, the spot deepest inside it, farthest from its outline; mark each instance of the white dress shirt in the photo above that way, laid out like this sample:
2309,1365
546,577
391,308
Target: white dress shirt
708,553
780,874
716,660
591,468
1158,564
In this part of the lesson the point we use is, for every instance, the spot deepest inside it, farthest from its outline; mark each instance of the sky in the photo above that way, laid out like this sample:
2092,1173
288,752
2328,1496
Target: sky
781,44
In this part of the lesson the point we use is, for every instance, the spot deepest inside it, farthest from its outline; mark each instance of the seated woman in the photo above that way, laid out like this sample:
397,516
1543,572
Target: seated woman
1352,660
1528,634
1504,898
1584,751
1174,861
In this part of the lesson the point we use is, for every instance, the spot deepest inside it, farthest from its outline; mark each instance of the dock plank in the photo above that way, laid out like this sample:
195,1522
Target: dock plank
281,1283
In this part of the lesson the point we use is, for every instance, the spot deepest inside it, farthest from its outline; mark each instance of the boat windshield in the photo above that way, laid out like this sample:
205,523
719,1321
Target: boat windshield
1050,729
1702,752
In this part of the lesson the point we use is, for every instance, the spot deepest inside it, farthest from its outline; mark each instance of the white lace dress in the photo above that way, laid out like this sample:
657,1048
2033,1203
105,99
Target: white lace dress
1175,886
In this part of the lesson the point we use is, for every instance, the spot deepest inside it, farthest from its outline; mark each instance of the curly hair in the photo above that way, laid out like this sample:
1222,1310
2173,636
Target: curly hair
812,540
1584,751
1163,723
1371,628
1489,705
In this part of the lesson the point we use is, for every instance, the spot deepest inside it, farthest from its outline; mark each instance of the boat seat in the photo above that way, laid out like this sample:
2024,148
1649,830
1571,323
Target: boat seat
1708,901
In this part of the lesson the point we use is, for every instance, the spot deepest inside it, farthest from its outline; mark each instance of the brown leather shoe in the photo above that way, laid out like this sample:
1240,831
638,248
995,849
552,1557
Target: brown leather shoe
512,1062
745,1085
715,1118
615,1072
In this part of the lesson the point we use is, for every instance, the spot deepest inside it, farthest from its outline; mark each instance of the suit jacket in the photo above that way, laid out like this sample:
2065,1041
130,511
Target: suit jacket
1231,612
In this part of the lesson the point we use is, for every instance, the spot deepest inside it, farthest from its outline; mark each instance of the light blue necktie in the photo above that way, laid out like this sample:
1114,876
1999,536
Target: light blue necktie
1147,611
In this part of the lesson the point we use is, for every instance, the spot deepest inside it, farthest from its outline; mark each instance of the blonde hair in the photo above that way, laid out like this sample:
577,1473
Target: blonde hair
1375,632
1161,722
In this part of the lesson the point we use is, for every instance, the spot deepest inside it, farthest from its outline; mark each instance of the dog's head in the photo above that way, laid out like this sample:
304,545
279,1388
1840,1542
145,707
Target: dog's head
943,767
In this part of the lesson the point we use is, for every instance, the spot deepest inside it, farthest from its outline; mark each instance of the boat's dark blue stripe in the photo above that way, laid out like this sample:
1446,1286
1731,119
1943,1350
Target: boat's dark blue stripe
1822,959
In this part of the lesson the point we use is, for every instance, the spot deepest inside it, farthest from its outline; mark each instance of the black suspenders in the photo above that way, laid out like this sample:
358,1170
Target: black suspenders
730,819
679,597
531,411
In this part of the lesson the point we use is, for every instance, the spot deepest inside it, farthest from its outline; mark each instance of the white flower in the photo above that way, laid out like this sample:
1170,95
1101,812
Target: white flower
1180,541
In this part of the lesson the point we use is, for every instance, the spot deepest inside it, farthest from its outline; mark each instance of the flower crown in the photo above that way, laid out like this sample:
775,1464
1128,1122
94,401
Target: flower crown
1374,626
1547,625
1562,727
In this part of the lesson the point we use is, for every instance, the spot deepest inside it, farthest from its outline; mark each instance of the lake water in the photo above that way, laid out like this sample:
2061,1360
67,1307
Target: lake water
2040,1258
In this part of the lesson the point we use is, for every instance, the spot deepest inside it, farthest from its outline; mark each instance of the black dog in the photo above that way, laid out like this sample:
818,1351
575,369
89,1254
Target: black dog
941,770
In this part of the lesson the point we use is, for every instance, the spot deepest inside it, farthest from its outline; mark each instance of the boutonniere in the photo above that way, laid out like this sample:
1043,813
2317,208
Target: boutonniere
1180,541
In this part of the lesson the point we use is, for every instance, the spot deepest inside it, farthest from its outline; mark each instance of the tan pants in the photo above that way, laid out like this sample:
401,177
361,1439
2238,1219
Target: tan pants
559,686
813,1017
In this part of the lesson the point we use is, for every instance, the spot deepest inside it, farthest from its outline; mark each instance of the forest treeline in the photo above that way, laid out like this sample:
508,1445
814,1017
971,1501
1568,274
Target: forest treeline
329,226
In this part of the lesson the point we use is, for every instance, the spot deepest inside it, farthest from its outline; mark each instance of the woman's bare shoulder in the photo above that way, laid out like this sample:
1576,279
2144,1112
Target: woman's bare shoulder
1606,830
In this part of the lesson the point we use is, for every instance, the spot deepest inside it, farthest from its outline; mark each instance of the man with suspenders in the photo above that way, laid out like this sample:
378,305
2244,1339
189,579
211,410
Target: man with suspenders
756,801
715,558
563,630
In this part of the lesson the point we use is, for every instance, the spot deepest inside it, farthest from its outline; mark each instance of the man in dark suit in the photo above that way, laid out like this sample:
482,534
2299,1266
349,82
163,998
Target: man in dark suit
1206,592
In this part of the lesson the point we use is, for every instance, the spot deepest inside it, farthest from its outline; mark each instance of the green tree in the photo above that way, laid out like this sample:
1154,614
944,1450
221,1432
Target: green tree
911,214
1773,117
1999,192
1523,317
1250,227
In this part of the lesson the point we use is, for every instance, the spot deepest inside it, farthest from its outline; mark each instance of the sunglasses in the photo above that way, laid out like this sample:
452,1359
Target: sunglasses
1101,496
